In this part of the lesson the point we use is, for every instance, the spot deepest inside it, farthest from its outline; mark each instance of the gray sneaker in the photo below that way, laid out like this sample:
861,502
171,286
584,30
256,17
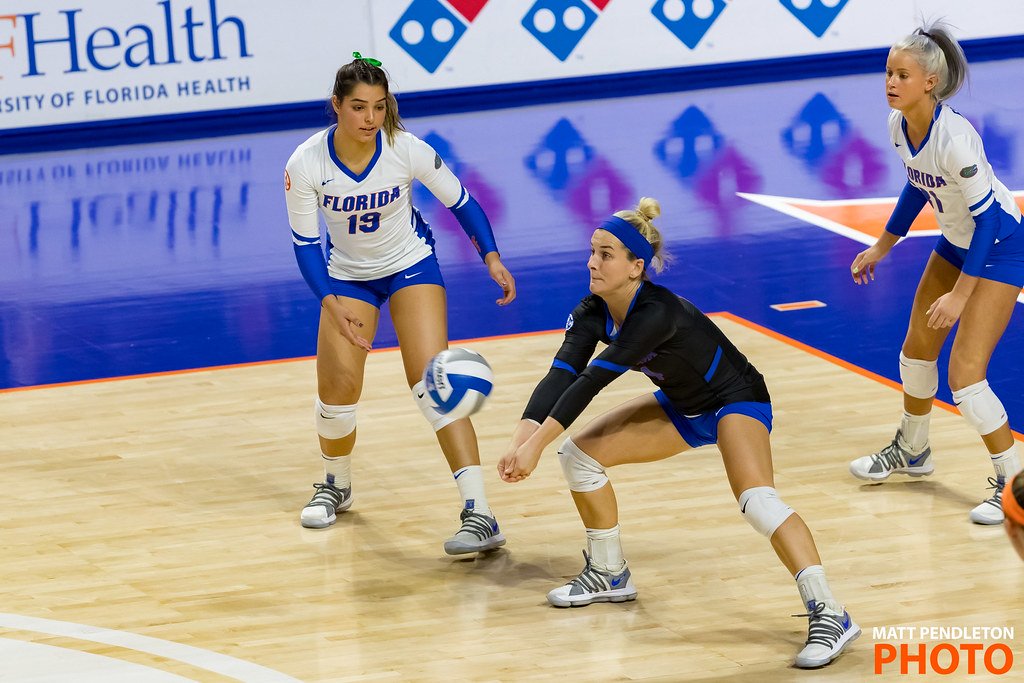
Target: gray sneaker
594,585
477,534
828,634
991,510
893,459
322,509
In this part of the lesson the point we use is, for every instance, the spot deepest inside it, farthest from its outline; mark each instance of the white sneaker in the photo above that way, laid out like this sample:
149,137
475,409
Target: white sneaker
893,459
478,533
594,585
828,634
322,509
991,510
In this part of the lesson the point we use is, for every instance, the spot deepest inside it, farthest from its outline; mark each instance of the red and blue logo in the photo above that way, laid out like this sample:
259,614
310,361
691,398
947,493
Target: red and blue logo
428,30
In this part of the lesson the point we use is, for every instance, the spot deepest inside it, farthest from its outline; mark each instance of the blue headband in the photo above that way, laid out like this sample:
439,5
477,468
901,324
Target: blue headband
631,237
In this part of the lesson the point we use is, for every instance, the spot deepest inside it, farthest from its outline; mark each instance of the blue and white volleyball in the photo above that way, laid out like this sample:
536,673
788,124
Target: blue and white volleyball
458,381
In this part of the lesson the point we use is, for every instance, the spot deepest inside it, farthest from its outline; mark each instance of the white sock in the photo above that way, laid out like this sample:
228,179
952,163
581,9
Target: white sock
1006,464
338,470
914,429
470,480
605,549
813,587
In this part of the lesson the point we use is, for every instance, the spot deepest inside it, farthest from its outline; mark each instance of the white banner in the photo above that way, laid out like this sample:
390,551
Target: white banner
92,60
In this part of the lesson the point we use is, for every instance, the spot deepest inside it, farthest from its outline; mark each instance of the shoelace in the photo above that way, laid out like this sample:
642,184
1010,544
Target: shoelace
590,580
326,495
997,497
891,456
822,629
475,524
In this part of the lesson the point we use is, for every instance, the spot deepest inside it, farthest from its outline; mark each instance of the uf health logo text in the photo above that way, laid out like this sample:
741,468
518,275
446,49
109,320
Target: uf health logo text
62,41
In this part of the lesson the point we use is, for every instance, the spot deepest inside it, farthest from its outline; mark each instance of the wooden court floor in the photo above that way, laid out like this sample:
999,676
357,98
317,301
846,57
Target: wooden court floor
152,524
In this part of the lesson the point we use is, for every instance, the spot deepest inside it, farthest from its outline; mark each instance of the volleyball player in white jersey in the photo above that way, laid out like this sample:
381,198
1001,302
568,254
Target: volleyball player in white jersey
973,276
358,175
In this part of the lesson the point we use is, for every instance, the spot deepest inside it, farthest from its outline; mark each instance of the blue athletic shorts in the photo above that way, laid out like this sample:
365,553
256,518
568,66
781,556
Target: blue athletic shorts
703,429
1005,262
376,292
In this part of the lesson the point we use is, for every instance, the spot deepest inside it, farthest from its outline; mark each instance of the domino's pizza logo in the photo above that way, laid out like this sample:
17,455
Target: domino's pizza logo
429,29
816,15
559,25
688,20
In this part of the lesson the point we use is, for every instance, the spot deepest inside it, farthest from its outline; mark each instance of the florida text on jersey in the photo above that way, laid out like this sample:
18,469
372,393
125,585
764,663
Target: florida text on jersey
373,230
951,169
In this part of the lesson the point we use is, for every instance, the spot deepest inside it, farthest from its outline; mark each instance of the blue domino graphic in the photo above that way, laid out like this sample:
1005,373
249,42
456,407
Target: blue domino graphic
816,15
559,25
428,31
688,20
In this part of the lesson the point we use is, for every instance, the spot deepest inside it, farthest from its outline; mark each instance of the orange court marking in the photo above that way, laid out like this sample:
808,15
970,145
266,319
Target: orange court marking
861,220
717,314
798,305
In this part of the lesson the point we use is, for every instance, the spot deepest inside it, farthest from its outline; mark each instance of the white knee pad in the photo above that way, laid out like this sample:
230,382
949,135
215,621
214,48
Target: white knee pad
764,511
583,473
980,407
920,377
334,422
436,419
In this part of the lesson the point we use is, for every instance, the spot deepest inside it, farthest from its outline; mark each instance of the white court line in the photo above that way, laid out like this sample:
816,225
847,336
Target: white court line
783,205
214,662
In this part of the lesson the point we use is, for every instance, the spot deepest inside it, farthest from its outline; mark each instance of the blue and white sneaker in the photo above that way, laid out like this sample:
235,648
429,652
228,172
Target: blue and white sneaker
828,634
478,533
893,459
322,509
594,585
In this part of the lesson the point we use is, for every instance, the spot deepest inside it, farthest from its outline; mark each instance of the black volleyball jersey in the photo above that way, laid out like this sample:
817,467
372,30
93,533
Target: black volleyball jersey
663,336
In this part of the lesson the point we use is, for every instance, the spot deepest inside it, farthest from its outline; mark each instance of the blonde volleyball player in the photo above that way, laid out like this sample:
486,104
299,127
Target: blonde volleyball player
707,393
358,175
973,276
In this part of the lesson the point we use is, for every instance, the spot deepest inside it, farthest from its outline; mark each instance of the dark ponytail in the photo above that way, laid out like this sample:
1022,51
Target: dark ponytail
360,71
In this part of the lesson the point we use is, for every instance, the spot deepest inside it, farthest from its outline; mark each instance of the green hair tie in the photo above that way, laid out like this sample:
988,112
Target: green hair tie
369,60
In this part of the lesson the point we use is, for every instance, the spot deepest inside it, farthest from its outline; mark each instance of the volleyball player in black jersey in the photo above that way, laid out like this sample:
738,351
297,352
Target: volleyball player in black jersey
707,393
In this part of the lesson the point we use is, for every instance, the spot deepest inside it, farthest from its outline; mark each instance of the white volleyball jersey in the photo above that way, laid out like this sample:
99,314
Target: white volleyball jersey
373,230
951,168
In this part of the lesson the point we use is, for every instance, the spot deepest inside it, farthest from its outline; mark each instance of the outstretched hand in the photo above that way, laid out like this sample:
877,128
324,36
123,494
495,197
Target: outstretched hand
499,273
345,321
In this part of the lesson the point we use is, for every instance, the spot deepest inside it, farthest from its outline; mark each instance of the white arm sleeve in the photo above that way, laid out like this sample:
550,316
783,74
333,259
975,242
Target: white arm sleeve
301,199
429,169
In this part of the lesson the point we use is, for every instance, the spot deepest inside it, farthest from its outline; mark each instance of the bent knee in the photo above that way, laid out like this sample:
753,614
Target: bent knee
763,509
582,472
